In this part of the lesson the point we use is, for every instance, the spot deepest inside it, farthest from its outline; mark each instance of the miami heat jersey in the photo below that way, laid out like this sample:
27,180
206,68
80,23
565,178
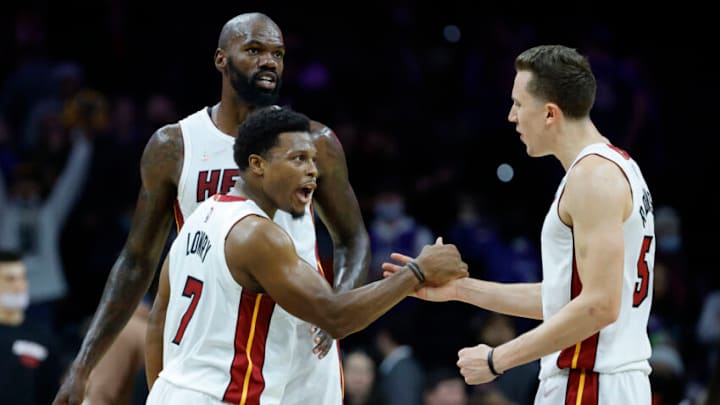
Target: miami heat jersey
623,345
220,339
209,168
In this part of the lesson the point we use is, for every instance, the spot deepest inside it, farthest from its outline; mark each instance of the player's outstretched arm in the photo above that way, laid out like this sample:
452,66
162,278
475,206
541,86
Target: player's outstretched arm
516,299
135,267
596,202
261,253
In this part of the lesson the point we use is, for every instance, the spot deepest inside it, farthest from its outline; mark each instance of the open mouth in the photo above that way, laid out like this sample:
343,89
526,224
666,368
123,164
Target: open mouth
305,193
266,80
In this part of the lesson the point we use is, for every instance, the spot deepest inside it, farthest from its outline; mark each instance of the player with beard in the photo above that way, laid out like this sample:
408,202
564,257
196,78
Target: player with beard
223,328
185,163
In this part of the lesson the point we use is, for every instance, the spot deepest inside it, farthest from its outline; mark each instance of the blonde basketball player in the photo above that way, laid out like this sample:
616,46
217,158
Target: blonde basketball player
597,245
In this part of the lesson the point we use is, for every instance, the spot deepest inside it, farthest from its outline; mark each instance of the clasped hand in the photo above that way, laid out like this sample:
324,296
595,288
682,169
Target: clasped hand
443,268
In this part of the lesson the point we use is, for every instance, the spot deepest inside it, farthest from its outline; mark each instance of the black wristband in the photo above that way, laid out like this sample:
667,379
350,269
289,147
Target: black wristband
417,271
491,364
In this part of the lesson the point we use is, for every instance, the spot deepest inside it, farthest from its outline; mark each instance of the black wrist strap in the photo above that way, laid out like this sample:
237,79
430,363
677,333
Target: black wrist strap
491,364
417,271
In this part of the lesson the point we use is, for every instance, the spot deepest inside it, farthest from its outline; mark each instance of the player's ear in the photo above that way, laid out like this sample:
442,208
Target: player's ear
220,60
552,113
256,164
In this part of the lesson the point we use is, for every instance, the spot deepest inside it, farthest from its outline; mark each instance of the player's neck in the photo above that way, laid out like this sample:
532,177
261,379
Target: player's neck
228,114
242,189
577,135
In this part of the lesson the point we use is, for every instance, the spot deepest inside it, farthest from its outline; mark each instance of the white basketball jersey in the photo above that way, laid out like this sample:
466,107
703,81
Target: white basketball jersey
623,345
235,345
209,168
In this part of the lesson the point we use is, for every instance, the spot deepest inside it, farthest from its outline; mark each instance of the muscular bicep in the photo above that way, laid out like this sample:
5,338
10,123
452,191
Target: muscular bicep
335,198
258,249
597,199
339,210
153,216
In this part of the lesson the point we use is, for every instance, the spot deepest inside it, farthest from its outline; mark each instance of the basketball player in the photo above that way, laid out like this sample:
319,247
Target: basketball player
598,250
185,163
220,329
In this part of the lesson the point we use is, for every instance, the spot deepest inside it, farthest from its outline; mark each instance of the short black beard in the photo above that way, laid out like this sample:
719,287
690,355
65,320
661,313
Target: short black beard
247,90
297,215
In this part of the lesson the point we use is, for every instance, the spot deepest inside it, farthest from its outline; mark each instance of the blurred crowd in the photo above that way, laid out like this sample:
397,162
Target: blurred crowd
423,124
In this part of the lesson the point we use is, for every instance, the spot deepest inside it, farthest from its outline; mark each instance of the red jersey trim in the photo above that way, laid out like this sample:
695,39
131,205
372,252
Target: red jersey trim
583,388
177,213
228,198
581,355
246,378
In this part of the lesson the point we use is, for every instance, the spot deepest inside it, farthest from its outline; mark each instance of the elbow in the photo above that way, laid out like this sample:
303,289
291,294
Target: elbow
335,321
611,315
605,312
339,328
336,330
357,239
338,333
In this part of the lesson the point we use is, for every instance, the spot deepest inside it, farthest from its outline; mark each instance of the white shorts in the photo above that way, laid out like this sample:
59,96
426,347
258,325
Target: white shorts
164,392
580,387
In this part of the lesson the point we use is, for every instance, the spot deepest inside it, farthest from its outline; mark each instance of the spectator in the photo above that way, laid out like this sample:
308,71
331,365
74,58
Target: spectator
360,379
31,220
401,376
445,386
30,366
393,230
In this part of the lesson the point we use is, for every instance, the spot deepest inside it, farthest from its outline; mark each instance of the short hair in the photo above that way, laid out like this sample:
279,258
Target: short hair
260,130
9,256
560,75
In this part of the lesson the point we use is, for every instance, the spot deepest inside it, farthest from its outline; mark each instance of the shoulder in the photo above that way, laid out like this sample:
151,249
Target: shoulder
258,233
323,135
595,171
596,181
255,239
164,150
330,157
167,139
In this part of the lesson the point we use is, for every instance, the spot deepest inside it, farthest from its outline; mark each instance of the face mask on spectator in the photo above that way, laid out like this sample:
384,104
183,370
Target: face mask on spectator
15,301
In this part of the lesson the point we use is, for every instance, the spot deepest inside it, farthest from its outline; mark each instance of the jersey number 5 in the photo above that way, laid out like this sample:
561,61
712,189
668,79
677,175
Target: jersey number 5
193,288
642,285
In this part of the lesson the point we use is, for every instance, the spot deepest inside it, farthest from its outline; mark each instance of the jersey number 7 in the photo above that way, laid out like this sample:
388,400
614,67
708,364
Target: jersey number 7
193,289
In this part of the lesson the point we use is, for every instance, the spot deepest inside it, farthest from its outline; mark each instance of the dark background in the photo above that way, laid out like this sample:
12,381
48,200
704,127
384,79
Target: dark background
440,108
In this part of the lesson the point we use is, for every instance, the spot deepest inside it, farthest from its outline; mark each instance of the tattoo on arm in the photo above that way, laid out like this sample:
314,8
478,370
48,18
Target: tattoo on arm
135,268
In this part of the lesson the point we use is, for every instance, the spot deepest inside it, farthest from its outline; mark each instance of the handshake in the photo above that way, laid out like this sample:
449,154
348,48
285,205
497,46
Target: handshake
437,267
